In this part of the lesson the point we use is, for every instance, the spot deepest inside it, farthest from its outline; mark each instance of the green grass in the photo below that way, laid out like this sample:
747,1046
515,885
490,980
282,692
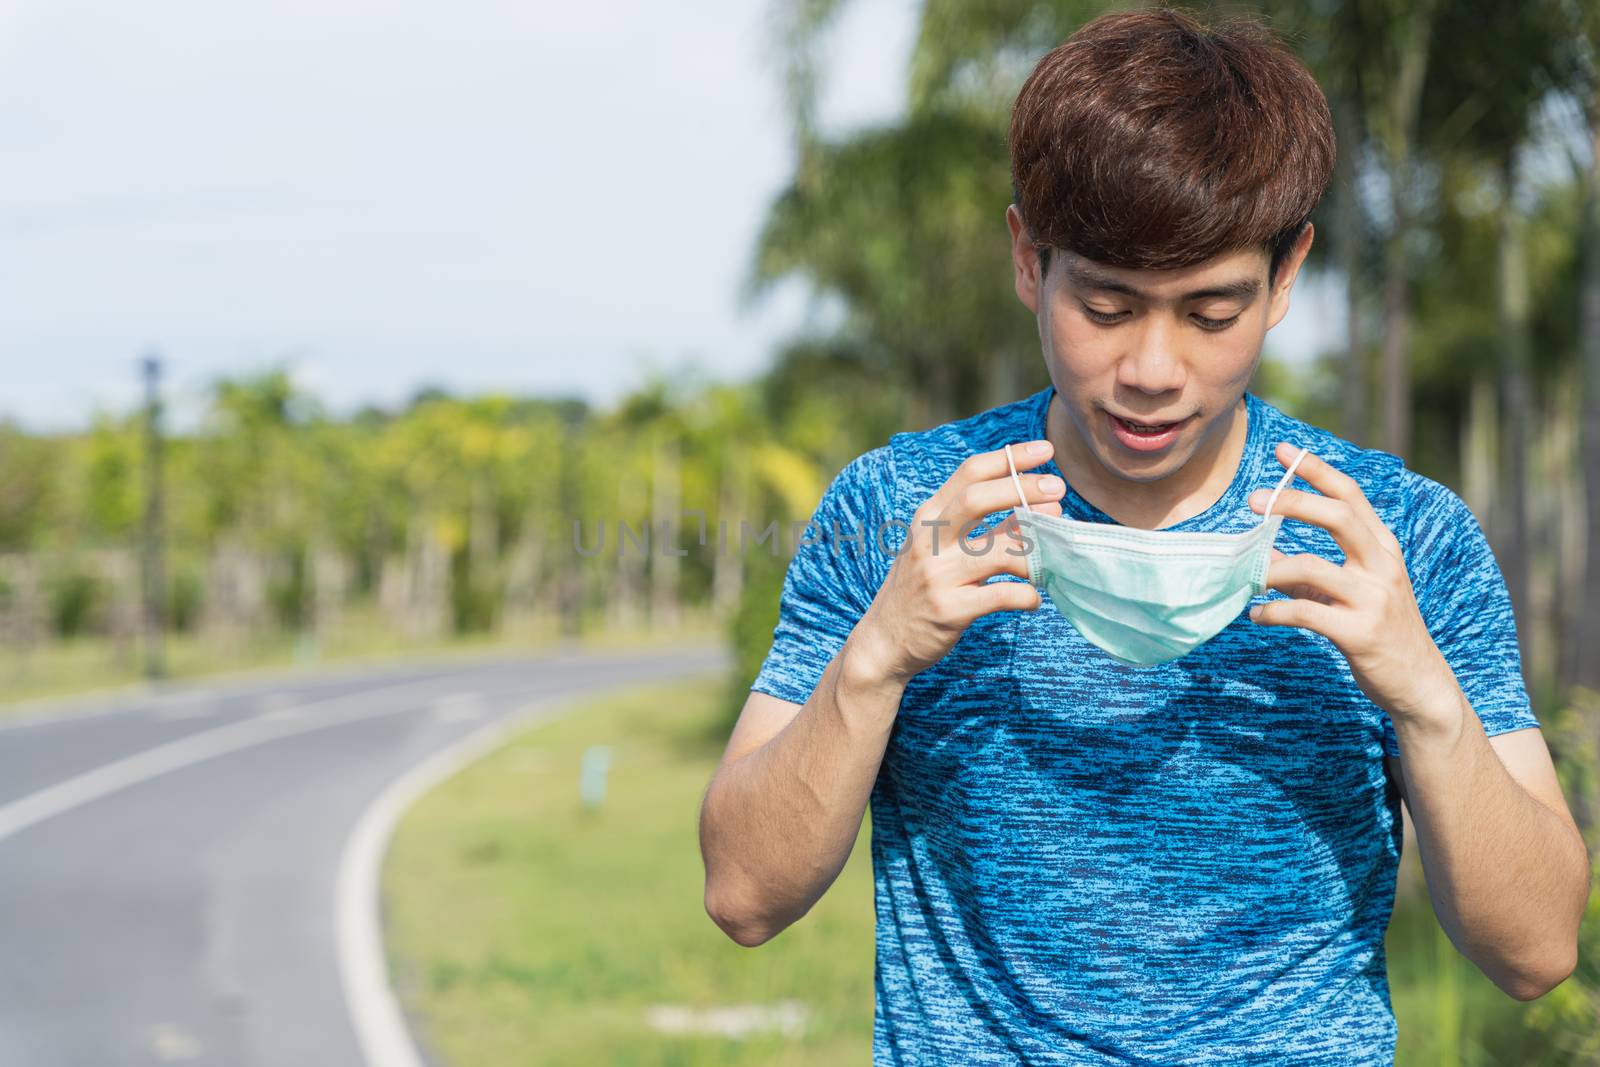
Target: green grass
525,930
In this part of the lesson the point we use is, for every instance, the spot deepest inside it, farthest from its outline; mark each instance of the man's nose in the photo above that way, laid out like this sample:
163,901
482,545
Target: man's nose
1153,365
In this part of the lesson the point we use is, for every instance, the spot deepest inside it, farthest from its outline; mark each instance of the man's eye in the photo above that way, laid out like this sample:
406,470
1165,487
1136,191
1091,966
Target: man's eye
1215,324
1104,317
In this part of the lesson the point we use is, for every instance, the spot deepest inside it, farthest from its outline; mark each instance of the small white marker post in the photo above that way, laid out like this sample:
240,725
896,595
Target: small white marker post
592,777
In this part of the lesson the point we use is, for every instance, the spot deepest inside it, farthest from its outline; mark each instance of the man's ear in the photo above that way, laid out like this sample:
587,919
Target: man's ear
1024,261
1287,270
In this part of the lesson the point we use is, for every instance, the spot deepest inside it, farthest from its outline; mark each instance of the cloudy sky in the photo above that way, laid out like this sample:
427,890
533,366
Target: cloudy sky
483,195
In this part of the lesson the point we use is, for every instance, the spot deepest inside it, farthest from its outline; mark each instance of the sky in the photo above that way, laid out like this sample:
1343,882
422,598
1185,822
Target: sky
484,196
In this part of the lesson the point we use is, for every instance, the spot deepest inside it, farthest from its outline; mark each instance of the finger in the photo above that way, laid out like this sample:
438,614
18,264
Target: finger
1011,526
1338,517
1000,556
1001,549
1004,596
971,503
1306,614
985,466
1306,575
944,538
1330,481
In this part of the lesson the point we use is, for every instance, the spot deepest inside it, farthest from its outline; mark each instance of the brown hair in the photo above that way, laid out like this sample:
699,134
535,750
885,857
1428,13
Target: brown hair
1147,140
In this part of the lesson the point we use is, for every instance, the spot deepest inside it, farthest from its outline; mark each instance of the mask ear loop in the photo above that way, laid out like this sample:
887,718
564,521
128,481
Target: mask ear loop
1287,475
1018,481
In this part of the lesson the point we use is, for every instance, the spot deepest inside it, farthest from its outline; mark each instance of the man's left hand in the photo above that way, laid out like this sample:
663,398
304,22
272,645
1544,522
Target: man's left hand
1365,605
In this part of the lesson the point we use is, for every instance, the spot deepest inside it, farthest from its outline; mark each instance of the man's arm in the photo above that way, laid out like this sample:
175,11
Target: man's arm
1507,869
786,803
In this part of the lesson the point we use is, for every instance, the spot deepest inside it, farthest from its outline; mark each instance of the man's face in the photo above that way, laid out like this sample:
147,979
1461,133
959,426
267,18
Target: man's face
1172,349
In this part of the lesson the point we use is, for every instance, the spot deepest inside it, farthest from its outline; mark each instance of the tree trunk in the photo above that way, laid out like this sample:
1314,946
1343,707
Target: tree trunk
1353,413
330,579
1564,505
117,568
483,536
1587,671
1396,349
571,580
483,551
1511,313
428,567
1003,379
635,541
727,568
1480,452
666,523
394,589
520,589
1403,103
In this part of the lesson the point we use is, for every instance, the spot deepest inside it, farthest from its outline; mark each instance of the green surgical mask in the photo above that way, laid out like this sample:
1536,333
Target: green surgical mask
1146,596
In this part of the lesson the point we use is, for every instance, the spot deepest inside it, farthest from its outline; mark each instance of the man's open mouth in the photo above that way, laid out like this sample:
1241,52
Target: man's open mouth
1146,427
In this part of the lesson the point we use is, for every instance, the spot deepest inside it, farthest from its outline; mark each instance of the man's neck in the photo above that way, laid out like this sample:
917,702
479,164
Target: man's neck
1181,495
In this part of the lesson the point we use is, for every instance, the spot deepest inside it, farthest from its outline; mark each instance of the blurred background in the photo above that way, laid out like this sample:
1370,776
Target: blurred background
338,332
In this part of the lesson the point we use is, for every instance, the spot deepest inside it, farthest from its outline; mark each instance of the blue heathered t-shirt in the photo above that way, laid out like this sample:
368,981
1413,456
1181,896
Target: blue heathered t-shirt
1082,862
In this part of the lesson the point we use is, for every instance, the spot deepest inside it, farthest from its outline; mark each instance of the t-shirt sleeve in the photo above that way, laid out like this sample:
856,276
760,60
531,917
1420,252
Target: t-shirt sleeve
832,578
1464,601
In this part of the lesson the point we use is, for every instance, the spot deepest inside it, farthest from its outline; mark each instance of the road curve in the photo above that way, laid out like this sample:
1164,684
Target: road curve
173,868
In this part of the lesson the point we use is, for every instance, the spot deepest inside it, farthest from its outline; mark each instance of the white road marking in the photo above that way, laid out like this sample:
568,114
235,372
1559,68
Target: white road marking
135,697
174,755
171,714
189,695
735,1021
194,703
144,696
458,707
380,1022
274,701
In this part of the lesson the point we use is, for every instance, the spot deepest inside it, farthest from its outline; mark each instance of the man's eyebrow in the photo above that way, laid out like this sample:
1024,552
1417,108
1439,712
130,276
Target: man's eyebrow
1089,278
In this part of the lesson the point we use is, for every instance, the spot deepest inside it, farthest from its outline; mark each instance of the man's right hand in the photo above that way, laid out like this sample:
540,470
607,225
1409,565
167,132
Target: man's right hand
936,588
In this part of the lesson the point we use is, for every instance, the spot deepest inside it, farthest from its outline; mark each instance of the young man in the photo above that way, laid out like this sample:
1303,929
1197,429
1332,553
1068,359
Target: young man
1080,861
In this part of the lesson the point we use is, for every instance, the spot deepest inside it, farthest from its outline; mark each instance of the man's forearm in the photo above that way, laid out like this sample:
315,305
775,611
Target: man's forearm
1508,876
778,823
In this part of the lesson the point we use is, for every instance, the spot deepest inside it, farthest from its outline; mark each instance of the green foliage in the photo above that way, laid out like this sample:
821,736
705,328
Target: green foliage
26,488
112,482
75,596
287,591
750,629
1448,1012
1568,1014
185,597
473,600
903,224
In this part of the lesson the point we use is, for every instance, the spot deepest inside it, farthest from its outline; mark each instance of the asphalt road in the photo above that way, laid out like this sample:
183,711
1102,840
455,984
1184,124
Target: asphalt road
169,864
